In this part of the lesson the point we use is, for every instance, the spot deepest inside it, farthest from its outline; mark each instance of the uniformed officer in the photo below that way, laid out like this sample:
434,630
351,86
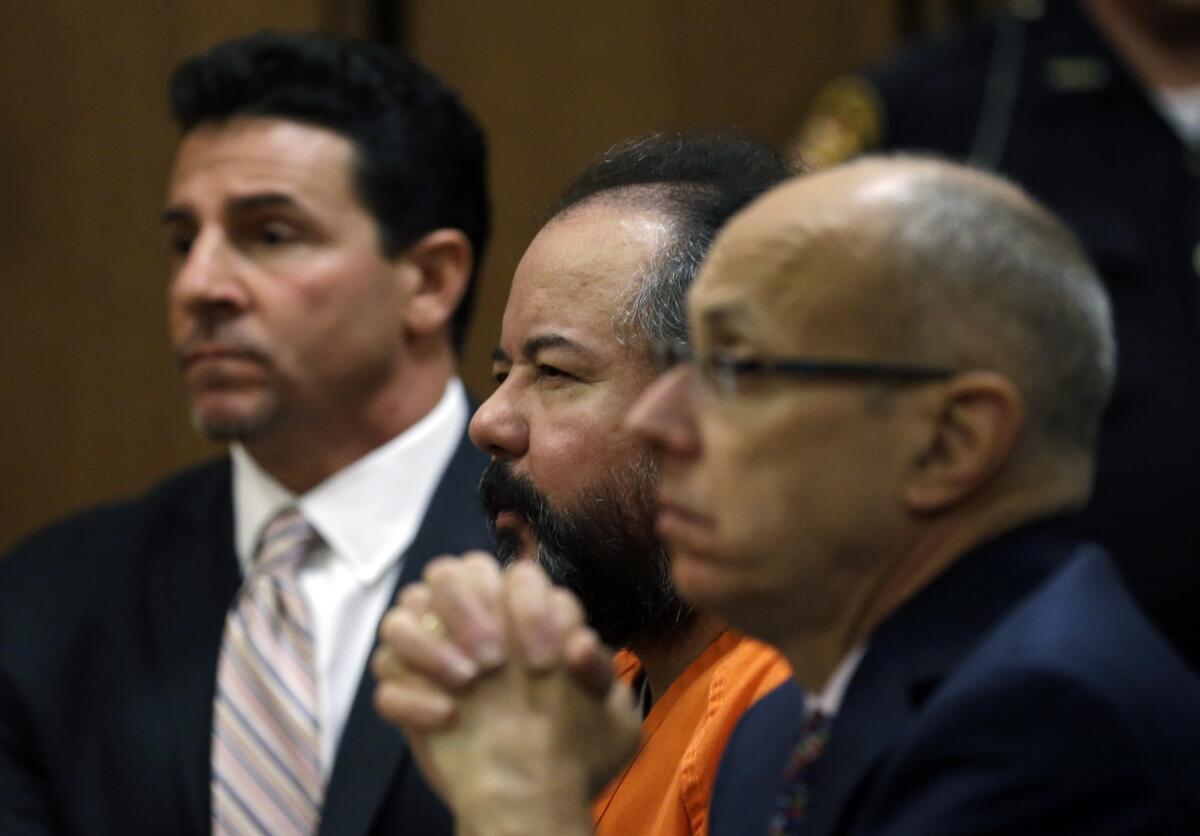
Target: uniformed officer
1094,106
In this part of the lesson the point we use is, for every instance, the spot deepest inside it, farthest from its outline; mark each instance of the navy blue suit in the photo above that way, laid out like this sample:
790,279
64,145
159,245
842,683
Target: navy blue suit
1022,692
110,629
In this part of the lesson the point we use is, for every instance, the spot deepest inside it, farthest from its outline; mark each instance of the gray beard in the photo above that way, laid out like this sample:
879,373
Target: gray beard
227,429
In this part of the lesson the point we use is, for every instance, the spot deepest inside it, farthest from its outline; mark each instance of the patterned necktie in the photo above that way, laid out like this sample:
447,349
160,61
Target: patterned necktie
266,768
792,802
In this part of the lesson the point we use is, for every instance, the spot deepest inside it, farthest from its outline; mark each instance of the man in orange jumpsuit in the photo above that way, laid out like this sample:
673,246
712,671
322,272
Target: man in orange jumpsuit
570,487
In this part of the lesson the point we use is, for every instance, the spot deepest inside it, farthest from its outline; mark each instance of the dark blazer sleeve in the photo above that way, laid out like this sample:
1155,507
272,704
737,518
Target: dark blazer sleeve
753,763
25,809
29,628
102,617
994,760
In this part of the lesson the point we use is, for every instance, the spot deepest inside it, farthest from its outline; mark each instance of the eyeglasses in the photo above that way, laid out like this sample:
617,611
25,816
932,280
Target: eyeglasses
722,372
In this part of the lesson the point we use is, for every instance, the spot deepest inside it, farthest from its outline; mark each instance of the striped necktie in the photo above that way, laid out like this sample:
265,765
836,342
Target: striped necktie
266,767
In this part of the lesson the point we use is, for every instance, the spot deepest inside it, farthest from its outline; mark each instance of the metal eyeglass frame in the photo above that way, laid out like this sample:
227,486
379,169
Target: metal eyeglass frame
721,371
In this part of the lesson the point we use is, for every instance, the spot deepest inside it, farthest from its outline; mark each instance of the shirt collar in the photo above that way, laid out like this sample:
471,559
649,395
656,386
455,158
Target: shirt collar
1180,106
828,700
369,512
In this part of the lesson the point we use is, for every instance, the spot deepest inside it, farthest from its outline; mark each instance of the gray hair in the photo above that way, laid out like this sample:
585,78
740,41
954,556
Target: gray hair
655,308
999,282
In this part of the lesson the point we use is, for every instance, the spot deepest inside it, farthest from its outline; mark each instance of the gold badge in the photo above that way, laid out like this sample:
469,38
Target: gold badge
845,119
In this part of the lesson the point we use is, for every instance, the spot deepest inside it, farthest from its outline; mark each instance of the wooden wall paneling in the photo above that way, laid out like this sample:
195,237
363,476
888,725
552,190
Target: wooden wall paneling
554,83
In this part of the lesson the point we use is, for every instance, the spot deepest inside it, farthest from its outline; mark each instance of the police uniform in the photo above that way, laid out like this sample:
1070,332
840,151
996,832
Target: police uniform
1035,93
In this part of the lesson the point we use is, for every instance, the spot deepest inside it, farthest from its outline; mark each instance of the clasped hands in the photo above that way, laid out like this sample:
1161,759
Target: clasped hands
507,698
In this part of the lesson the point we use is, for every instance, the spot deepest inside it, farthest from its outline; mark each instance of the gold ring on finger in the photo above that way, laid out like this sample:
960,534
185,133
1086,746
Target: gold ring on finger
430,623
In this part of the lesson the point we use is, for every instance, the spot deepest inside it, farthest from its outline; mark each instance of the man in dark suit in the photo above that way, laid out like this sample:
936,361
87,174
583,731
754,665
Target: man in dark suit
900,367
326,212
969,666
1094,107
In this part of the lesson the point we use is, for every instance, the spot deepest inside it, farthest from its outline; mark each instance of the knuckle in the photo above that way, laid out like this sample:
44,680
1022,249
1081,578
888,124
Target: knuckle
440,568
413,595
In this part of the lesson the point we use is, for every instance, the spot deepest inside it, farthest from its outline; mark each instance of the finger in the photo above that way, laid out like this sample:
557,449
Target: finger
626,720
567,611
415,596
460,591
409,644
563,614
385,665
589,662
408,698
621,705
623,731
486,579
532,615
415,709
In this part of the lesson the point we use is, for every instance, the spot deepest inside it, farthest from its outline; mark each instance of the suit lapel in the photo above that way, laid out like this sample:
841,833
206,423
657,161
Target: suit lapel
371,751
193,576
912,652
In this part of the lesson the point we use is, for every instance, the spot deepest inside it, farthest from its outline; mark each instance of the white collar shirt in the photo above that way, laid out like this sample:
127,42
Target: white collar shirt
1180,106
367,515
828,701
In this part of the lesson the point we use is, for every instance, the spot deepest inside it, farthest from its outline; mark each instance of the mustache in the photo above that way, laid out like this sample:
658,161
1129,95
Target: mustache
501,489
603,548
227,341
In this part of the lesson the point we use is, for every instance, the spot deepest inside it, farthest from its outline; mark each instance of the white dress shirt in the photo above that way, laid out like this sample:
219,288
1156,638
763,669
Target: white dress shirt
367,515
828,700
1181,107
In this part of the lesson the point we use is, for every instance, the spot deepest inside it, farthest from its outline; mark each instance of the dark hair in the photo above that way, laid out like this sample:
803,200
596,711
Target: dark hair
699,180
422,162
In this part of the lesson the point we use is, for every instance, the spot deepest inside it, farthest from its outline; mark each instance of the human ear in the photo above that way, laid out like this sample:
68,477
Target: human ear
436,270
974,422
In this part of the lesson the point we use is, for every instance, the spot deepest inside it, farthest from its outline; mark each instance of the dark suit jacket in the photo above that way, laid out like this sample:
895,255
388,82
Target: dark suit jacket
110,628
1022,692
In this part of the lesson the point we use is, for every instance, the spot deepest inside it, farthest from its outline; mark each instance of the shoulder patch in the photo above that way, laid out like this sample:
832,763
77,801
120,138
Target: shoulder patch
846,118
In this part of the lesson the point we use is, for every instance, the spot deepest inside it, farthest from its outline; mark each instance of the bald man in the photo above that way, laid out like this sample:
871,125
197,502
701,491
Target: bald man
904,364
900,367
